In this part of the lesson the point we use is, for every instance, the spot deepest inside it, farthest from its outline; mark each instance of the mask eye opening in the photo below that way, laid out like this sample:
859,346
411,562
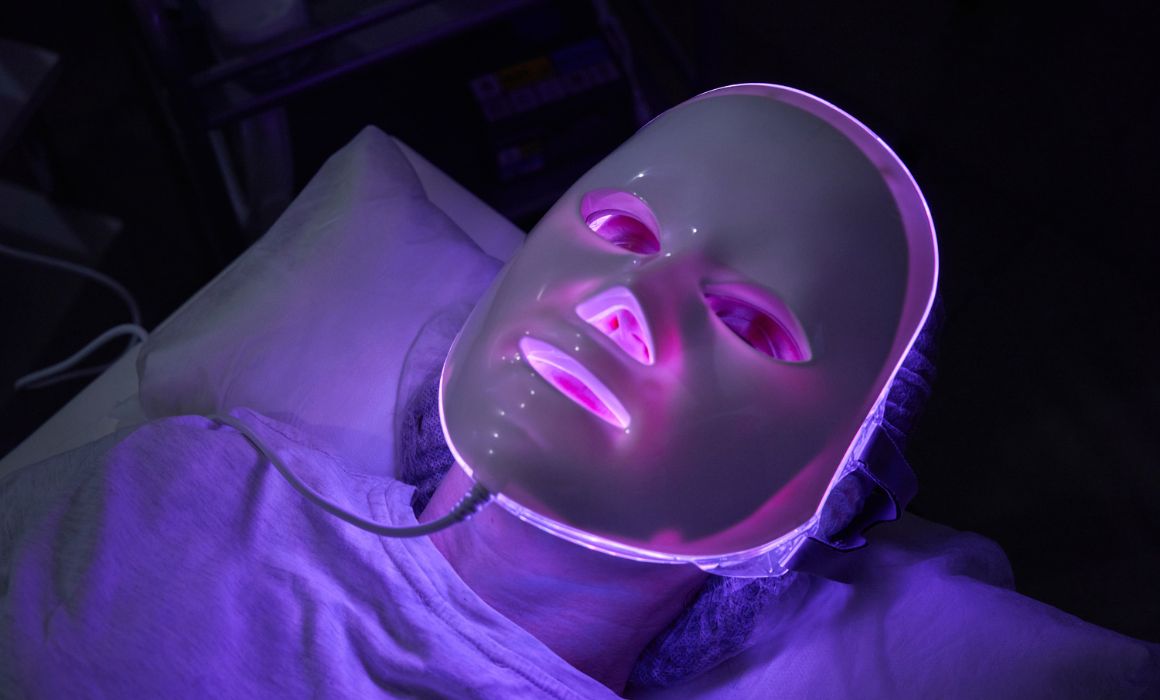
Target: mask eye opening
622,219
773,332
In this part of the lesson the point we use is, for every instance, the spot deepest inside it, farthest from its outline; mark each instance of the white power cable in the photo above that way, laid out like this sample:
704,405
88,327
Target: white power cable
69,376
45,377
76,268
471,502
114,332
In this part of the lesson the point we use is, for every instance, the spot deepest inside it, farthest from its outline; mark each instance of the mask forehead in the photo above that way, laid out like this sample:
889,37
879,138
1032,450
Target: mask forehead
775,194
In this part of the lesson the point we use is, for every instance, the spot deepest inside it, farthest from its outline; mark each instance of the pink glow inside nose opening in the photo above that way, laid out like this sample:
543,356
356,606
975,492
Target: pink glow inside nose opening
617,314
574,380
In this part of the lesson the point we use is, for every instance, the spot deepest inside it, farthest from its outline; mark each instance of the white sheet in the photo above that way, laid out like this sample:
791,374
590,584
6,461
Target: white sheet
109,402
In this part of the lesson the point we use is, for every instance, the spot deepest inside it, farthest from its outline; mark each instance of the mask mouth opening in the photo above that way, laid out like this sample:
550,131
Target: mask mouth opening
572,379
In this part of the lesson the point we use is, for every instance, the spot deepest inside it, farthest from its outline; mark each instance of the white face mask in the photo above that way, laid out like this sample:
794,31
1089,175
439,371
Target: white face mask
683,355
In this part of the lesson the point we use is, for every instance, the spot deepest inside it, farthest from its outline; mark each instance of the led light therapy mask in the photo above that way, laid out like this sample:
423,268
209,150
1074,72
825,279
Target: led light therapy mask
694,342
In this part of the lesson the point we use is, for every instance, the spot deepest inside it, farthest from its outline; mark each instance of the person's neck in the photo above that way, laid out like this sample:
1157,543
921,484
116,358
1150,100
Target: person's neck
595,611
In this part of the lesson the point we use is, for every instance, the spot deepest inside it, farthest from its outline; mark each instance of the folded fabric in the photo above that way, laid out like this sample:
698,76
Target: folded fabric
312,325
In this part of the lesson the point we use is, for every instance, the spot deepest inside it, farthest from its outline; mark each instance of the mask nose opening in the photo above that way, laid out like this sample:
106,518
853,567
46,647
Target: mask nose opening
617,314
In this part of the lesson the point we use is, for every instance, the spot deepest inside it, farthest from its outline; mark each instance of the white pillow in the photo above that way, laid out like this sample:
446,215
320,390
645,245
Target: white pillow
313,324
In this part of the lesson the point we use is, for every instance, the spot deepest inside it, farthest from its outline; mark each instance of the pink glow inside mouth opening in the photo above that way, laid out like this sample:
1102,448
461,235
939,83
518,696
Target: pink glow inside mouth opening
575,381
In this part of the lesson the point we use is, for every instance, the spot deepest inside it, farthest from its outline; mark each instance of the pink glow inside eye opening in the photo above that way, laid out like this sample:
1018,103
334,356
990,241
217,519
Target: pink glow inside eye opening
623,230
757,328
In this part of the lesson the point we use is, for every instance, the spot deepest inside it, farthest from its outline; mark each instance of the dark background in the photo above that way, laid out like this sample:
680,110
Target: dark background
1031,132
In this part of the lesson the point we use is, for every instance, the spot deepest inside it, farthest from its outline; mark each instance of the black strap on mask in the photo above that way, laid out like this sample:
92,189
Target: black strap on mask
883,483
